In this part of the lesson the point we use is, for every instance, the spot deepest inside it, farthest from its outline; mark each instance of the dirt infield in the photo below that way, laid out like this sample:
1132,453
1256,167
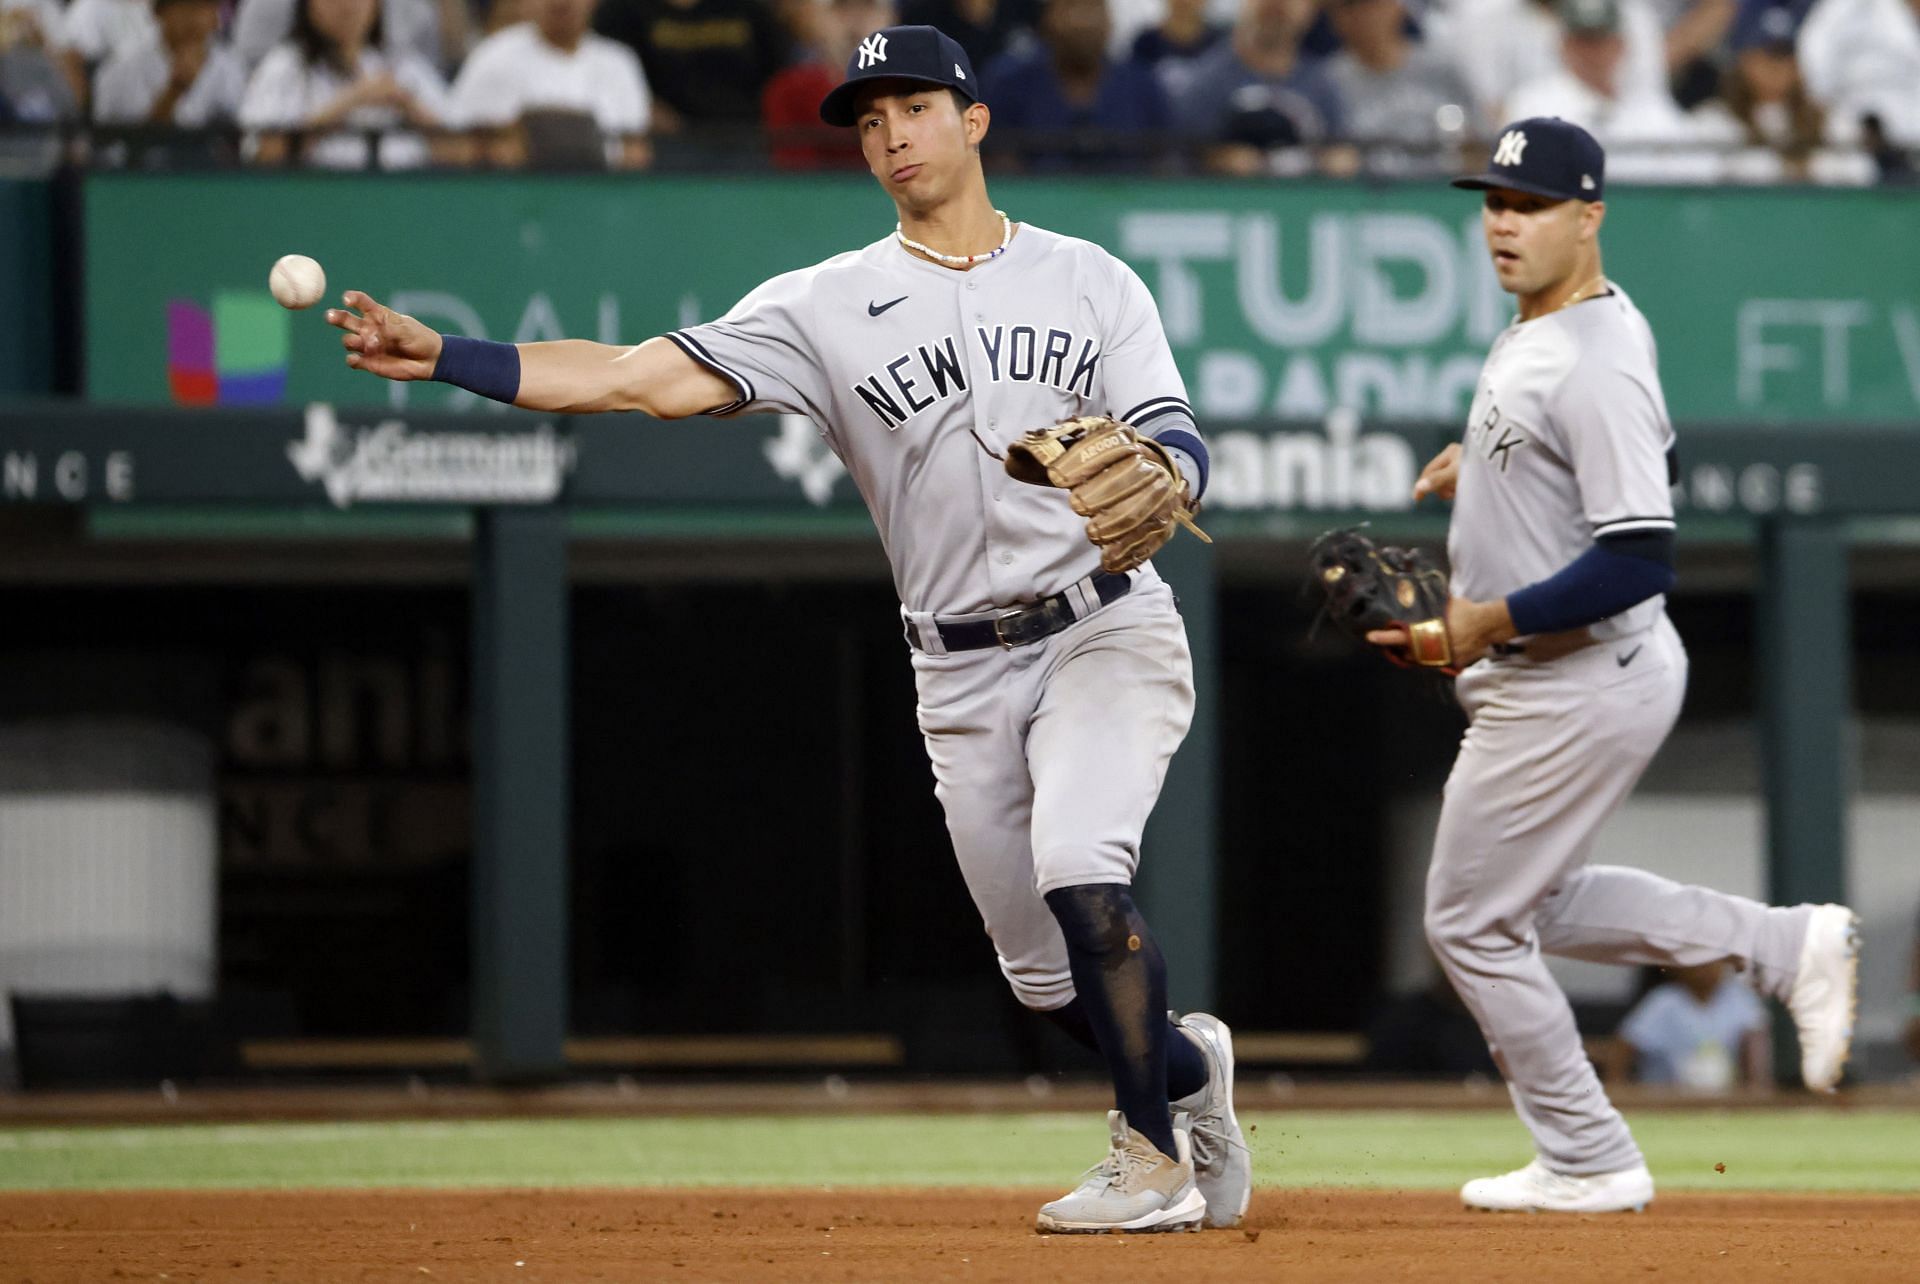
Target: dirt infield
921,1236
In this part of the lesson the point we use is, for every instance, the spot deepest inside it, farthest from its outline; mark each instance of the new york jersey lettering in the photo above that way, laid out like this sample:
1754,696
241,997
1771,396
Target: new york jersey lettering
930,373
901,389
1496,437
1018,354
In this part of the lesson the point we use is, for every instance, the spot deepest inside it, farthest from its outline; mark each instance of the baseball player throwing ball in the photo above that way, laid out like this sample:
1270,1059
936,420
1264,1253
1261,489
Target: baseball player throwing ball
1571,676
1053,673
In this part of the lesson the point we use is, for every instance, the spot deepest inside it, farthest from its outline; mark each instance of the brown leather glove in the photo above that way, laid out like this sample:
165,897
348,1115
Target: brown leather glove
1125,485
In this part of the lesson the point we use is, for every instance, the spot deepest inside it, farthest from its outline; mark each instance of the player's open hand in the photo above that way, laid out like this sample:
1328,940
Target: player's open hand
1472,629
1440,476
384,342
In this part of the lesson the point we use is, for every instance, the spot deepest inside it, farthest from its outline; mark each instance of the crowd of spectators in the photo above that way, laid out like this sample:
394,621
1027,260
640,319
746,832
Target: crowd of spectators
1827,90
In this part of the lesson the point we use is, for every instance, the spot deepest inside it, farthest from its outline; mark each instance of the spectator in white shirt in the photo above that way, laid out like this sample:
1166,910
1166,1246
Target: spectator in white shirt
1862,59
1591,87
1499,45
435,31
333,76
92,31
554,63
183,76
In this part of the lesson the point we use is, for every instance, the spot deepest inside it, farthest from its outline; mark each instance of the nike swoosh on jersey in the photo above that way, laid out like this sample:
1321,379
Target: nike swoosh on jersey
875,309
1624,660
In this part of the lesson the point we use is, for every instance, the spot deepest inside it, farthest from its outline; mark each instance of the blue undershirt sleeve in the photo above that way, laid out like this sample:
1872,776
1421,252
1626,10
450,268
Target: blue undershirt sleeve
1180,439
1616,573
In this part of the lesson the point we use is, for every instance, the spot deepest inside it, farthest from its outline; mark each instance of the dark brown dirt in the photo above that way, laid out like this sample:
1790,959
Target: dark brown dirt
922,1236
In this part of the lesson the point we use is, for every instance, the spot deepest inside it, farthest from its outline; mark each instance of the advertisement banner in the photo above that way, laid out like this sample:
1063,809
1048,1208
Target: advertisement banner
758,469
1284,302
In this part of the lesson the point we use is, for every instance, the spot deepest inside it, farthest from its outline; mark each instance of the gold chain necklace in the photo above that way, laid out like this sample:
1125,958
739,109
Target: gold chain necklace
1576,296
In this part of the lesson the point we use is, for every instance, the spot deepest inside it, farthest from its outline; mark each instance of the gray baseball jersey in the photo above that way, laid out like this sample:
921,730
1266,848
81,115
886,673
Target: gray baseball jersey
1568,440
912,371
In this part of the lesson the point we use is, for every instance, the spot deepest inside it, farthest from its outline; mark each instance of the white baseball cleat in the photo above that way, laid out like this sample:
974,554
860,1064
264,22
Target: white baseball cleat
1135,1188
1222,1163
1538,1189
1825,991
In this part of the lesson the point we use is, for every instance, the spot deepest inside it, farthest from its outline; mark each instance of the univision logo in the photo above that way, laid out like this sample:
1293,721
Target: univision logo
234,354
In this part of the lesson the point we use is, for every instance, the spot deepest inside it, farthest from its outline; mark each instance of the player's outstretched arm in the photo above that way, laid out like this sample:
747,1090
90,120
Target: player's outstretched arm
563,376
656,378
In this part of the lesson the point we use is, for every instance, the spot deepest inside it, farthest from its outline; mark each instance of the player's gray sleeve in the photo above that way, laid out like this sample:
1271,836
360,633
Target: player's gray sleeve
764,349
1610,422
1138,378
1141,384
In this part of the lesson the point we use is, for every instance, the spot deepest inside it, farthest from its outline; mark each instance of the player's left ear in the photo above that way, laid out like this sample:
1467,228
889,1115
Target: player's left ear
1591,218
975,120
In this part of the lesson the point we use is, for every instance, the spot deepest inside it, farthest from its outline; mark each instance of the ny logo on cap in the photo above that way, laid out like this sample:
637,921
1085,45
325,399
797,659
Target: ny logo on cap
1512,143
873,49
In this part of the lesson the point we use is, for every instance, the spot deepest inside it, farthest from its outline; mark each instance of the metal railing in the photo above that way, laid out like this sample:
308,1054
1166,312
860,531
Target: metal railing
41,150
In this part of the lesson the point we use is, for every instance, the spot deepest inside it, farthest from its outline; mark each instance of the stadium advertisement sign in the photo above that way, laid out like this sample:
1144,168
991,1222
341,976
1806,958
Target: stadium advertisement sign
349,457
1288,302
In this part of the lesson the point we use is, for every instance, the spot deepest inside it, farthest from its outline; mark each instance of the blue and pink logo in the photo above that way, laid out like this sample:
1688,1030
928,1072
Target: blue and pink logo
234,354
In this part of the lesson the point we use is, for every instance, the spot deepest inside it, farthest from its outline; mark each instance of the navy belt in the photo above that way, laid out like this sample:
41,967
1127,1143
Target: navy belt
1026,624
1544,646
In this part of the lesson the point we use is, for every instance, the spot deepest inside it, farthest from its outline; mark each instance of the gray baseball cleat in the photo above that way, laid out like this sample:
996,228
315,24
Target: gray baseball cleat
1825,991
1135,1188
1222,1163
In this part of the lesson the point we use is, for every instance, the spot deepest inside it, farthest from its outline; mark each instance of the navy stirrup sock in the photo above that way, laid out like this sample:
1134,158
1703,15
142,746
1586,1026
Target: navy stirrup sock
1186,1064
1121,982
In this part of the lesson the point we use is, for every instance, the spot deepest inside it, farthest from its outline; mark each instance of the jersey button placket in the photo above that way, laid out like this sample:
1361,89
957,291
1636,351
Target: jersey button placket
993,474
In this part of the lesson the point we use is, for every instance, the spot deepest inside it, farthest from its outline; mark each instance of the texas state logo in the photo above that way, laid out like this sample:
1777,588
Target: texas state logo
232,354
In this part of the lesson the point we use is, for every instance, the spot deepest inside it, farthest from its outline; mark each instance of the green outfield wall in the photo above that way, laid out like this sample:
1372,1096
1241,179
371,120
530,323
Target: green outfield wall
1282,302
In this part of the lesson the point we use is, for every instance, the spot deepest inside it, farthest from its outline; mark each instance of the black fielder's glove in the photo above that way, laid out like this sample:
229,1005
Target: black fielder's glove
1367,587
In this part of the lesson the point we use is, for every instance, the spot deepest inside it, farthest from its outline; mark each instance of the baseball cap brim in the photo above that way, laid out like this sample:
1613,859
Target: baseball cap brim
1481,182
837,108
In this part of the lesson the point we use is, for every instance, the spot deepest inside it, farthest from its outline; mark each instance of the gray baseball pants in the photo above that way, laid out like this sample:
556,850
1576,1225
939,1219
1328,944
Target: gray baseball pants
1047,760
1551,749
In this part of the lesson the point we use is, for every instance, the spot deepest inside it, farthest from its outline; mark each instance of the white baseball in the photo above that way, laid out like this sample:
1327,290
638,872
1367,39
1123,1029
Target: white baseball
296,281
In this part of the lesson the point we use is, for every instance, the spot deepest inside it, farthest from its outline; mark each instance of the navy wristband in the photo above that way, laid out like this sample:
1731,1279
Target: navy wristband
479,365
1188,443
1598,583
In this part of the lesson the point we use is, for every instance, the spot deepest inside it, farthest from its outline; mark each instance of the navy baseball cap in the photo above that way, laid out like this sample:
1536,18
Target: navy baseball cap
1767,24
901,53
1546,156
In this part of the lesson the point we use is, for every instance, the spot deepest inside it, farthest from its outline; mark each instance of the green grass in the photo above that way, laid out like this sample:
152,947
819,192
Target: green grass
1802,1150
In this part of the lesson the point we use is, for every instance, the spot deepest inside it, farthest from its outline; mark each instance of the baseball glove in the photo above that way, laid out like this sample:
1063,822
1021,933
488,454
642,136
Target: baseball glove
1125,485
1368,587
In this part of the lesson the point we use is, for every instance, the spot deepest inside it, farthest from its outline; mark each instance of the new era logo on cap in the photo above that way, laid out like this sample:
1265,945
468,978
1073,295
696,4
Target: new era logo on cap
1546,156
873,49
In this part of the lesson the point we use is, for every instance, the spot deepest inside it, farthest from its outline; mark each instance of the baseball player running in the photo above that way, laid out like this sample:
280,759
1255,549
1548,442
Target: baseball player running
1562,547
1052,692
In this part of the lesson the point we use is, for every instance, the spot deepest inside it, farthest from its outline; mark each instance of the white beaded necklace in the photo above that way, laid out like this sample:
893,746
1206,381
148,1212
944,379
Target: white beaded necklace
961,260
